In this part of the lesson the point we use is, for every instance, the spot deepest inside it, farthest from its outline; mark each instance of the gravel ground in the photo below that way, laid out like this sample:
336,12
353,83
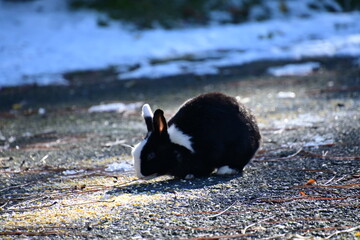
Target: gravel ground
303,183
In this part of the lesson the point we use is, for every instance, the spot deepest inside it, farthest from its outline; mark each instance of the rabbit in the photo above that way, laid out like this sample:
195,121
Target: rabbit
211,133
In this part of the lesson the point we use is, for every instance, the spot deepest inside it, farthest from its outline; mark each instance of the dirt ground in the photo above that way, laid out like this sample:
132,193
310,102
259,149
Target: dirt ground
303,183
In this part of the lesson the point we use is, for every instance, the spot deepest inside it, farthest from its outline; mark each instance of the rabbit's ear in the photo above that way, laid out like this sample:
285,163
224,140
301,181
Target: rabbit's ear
148,117
160,124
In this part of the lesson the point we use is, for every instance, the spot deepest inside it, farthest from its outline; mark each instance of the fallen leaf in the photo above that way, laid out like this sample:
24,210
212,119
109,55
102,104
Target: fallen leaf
310,181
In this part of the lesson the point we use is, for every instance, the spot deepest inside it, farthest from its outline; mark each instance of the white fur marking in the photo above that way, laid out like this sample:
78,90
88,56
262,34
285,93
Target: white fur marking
146,111
136,153
178,137
226,170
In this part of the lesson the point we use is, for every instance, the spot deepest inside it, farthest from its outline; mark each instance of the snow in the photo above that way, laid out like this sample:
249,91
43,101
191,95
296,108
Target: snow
312,141
113,167
302,120
42,111
289,94
40,40
319,141
300,69
119,167
116,107
72,172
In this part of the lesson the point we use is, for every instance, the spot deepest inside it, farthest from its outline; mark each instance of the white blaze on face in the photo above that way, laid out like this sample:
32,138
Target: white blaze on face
136,153
180,138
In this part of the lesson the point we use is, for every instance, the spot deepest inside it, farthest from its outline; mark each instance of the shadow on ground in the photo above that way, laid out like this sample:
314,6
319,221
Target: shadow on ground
170,185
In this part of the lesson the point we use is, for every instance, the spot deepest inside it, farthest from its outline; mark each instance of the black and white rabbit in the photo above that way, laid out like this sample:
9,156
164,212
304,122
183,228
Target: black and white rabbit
210,132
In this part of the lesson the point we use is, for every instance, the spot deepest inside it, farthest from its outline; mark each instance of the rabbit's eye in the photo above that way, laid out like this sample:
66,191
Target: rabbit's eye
151,156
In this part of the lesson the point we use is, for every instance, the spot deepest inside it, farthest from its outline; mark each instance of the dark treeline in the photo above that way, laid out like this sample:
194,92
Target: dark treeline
143,14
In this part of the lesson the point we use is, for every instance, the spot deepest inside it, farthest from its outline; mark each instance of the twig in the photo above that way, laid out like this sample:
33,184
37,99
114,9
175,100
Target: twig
47,169
218,237
302,197
17,186
338,180
31,208
27,233
84,203
215,212
323,229
222,212
349,157
282,158
354,186
37,229
253,224
42,160
343,231
117,142
302,169
4,204
219,228
295,154
300,219
27,202
72,191
329,181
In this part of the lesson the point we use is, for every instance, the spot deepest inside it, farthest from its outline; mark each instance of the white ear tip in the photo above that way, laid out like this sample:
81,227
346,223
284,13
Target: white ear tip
146,111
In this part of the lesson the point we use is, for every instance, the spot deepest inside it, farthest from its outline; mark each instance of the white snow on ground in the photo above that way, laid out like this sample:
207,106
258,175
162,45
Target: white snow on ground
289,94
305,120
72,172
319,140
115,107
113,167
40,40
312,141
302,120
119,167
300,69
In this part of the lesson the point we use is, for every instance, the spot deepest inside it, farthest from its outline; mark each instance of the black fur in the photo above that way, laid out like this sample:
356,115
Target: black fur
222,131
149,123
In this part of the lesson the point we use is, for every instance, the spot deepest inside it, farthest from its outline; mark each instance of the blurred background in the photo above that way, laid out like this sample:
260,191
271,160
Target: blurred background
53,42
185,13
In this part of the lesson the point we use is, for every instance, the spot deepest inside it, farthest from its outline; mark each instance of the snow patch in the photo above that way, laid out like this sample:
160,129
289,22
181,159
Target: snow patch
42,111
115,107
285,95
302,120
58,41
119,167
72,172
312,141
319,141
300,69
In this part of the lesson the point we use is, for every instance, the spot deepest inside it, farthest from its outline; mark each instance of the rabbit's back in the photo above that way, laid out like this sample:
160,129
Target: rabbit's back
221,130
